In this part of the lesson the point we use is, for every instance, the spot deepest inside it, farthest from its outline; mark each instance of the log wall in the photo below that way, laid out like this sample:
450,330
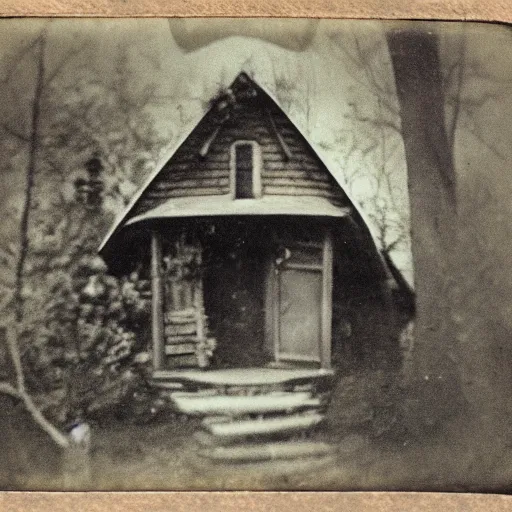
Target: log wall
293,170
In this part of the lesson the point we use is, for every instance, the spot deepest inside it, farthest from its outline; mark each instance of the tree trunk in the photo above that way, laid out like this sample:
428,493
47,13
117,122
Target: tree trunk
433,194
29,186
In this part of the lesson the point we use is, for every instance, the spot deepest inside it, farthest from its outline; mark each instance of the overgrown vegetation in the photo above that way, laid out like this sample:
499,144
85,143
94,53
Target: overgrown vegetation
81,355
81,142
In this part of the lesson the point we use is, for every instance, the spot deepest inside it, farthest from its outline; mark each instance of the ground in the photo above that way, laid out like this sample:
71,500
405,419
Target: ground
370,452
157,457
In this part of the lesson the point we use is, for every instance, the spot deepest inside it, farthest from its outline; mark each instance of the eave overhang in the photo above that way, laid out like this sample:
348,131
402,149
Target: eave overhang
224,205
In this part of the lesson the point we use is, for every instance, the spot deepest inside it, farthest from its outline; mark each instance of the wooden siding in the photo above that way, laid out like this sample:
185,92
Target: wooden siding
300,173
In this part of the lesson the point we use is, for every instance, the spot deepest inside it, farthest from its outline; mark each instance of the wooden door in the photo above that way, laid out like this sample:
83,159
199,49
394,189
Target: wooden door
301,302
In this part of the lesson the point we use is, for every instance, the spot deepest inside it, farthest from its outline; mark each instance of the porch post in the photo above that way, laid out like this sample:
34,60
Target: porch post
157,323
325,353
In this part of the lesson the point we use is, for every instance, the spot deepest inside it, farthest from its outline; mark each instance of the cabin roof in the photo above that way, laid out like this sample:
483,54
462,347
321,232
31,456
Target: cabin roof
198,206
225,205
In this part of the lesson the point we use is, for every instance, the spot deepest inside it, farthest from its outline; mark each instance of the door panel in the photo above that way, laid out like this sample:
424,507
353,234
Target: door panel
300,315
298,301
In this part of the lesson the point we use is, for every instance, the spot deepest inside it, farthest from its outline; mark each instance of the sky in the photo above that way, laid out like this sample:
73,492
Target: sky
328,89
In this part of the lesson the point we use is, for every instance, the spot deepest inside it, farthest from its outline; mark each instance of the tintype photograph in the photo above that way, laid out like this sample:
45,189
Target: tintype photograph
255,254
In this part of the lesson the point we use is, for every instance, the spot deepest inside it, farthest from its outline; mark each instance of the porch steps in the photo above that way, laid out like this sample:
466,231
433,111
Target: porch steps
221,472
253,419
265,452
264,427
233,405
241,377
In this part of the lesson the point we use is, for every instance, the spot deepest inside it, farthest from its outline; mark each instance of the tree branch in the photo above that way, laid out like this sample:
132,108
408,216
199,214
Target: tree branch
56,435
61,65
480,137
7,389
20,392
375,122
17,59
458,100
13,133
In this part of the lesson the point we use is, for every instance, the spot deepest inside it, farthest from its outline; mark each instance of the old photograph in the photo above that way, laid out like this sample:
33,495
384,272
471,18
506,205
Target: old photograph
255,254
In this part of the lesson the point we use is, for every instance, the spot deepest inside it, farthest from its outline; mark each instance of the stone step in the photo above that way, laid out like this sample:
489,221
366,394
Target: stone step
245,377
235,405
261,452
204,439
264,426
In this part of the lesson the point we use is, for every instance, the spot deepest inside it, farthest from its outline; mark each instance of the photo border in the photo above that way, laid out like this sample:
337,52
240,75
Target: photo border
461,10
456,10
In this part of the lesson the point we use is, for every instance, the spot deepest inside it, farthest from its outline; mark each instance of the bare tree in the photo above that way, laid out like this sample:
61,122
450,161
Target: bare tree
371,160
36,49
423,92
293,83
367,62
33,145
34,54
470,86
69,117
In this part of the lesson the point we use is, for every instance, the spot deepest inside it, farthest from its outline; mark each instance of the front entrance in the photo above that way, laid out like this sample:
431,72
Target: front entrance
300,318
234,265
262,290
268,293
299,302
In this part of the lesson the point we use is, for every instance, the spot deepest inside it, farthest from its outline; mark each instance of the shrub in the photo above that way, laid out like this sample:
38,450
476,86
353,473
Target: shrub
82,357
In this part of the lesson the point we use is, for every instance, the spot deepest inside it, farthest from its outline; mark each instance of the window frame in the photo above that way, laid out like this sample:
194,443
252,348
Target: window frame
256,169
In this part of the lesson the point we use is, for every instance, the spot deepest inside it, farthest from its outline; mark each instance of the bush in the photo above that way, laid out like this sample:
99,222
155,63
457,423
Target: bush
82,357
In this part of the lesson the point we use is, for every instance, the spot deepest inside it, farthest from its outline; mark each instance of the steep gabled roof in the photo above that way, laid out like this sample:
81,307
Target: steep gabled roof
167,155
184,206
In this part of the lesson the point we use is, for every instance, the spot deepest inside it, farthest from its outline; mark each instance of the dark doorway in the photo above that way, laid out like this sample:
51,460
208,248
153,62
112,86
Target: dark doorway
235,255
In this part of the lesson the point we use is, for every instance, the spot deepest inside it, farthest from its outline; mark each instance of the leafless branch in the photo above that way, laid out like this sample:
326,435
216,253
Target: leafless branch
475,131
375,122
459,86
7,389
20,392
61,65
17,59
371,82
30,177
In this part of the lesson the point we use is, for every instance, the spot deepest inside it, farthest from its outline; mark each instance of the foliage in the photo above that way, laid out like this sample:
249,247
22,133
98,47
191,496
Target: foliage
102,117
90,326
79,326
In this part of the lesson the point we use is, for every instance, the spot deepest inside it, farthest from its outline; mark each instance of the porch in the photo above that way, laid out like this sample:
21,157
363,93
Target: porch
231,293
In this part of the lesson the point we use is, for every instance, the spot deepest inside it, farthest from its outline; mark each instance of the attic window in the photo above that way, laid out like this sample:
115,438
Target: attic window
245,170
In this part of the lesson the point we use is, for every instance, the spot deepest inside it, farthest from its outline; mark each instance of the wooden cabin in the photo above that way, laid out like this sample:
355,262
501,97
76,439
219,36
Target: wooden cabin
259,262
